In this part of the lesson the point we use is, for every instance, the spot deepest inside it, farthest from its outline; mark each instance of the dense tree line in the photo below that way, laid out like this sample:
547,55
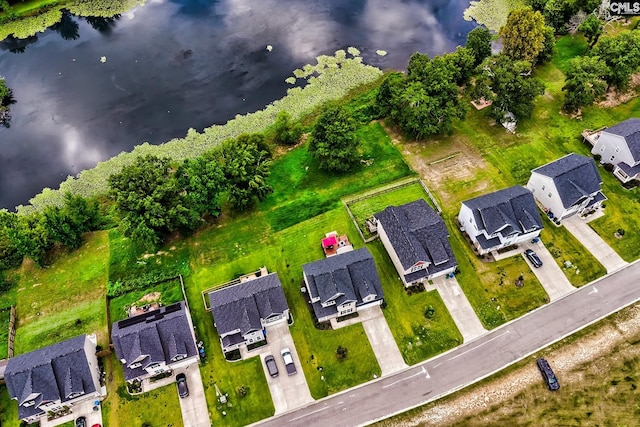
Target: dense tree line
6,99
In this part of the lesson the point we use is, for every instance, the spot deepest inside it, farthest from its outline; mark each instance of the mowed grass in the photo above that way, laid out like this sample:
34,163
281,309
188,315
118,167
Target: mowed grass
65,300
302,191
8,409
584,267
417,337
168,292
157,408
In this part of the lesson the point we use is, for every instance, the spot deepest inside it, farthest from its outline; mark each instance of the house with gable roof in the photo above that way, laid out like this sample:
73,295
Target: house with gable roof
503,218
154,342
417,242
55,378
241,312
567,186
343,284
620,146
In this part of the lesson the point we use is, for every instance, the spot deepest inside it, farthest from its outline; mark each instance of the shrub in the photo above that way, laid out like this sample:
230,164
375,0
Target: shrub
621,231
429,312
341,352
597,157
608,167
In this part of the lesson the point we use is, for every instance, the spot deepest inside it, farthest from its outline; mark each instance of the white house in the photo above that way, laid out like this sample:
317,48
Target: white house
342,284
567,186
620,146
416,240
242,312
500,219
54,379
154,342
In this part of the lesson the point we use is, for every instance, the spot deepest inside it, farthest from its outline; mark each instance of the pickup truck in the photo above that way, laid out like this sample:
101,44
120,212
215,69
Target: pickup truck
288,361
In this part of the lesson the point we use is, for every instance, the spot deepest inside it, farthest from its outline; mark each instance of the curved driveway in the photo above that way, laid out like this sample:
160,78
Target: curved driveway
473,361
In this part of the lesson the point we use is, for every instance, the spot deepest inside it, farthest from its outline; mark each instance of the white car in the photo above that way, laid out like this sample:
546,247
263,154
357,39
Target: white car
288,361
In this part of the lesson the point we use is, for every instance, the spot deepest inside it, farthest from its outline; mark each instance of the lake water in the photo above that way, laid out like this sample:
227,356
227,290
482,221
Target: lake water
85,94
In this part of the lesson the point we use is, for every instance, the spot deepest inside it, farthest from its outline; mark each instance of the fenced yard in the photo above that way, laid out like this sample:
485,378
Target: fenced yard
361,208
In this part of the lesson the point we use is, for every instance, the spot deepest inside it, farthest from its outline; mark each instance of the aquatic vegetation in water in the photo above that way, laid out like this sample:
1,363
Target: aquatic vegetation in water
381,52
331,78
492,13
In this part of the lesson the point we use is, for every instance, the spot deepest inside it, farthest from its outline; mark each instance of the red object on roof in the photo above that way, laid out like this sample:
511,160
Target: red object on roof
329,241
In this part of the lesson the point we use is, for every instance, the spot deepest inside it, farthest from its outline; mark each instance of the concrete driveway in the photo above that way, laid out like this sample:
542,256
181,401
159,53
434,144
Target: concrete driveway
287,391
459,308
195,412
382,342
594,243
550,275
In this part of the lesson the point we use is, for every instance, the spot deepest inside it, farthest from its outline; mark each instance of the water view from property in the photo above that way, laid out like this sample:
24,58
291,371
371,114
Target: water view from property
88,89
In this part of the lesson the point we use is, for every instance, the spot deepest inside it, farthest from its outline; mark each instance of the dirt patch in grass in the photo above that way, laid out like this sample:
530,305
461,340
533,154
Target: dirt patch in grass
589,369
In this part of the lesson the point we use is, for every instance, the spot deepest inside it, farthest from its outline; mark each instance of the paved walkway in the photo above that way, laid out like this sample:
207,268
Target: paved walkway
550,275
594,243
459,307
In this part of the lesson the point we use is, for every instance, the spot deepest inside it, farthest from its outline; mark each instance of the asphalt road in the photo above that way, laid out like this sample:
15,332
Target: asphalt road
473,361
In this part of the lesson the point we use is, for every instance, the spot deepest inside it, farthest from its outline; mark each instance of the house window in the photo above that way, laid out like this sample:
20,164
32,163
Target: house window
611,159
543,187
549,194
470,220
617,149
29,403
602,148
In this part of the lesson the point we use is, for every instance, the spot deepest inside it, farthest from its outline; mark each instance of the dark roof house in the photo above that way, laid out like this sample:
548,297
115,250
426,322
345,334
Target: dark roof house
149,343
502,218
417,241
61,374
343,284
568,185
241,311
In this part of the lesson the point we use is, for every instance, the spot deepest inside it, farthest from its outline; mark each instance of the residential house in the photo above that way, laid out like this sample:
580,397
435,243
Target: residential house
241,312
416,239
54,379
567,186
154,342
342,284
620,146
500,219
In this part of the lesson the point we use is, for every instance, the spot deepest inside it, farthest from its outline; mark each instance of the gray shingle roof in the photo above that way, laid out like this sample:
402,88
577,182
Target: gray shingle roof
155,336
418,233
49,374
575,176
512,211
242,306
352,275
630,131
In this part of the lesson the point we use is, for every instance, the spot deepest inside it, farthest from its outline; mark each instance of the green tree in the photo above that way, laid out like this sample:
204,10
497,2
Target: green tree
548,46
621,54
333,141
509,85
585,82
286,131
523,35
203,180
557,13
61,228
462,64
388,94
10,255
479,42
31,237
150,201
245,165
591,28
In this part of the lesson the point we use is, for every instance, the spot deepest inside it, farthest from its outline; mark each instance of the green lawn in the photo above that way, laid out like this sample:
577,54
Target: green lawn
157,408
65,300
418,338
302,191
584,267
366,208
168,293
8,409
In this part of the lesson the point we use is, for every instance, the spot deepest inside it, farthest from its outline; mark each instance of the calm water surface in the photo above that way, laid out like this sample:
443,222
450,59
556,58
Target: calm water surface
172,65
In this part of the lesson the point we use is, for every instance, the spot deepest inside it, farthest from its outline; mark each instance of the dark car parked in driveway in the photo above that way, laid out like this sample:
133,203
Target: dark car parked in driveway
271,365
181,381
533,257
81,422
548,375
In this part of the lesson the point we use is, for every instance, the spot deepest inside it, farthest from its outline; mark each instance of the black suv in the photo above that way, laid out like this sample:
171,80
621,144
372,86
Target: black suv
548,375
533,257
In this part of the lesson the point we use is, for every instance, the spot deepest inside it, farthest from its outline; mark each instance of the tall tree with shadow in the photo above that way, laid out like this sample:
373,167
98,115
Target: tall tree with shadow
6,99
67,27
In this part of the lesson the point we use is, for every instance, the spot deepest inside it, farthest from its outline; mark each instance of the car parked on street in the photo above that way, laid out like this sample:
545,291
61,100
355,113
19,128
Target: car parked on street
547,374
271,365
533,257
183,389
288,361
